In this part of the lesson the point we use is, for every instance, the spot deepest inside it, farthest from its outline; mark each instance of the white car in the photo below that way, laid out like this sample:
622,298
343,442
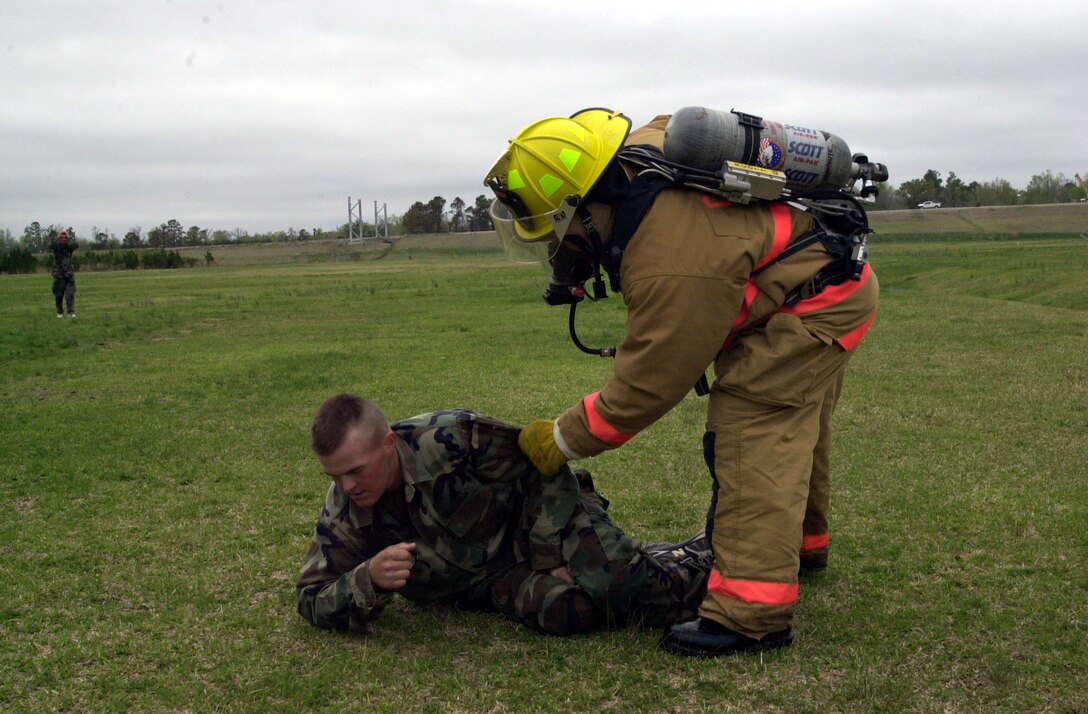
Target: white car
929,204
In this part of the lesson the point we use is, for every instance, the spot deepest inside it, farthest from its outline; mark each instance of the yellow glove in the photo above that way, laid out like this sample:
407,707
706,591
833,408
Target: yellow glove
538,443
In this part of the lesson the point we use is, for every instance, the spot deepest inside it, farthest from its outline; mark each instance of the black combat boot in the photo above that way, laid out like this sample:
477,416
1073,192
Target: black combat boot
695,550
703,637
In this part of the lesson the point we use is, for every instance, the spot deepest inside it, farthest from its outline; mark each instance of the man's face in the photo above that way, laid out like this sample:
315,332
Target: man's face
363,467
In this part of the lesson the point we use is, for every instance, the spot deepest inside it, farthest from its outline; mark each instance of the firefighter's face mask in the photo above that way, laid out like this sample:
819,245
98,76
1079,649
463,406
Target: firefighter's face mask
543,240
571,268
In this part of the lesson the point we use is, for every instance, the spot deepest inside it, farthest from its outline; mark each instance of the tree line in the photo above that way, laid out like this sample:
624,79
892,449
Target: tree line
430,217
33,254
953,191
434,217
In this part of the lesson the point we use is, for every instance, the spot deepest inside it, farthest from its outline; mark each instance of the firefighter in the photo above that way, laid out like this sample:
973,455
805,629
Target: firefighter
705,282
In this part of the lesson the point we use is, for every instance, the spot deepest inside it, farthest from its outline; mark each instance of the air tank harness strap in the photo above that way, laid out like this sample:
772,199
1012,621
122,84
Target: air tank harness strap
846,247
831,274
629,214
752,126
846,260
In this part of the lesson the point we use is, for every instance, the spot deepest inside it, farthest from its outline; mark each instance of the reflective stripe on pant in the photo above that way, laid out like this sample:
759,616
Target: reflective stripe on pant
766,413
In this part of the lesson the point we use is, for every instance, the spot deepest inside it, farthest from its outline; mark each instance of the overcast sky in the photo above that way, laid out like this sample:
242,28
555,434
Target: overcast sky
269,114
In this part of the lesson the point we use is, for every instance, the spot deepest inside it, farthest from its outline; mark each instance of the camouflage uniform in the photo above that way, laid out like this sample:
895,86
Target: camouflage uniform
487,529
64,275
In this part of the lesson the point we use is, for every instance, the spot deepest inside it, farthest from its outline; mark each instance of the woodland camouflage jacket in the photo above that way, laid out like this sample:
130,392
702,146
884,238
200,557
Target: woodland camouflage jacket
471,502
63,267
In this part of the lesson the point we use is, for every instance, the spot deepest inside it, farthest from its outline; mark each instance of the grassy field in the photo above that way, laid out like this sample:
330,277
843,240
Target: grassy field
987,221
157,494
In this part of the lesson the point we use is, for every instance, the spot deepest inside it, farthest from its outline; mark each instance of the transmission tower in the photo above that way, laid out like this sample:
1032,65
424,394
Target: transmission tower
381,226
355,221
356,229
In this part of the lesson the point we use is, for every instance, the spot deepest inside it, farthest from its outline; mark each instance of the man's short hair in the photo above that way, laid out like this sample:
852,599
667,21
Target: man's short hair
337,415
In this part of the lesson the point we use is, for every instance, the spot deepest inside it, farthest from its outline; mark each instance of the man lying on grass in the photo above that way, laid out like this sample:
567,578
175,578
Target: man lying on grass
445,508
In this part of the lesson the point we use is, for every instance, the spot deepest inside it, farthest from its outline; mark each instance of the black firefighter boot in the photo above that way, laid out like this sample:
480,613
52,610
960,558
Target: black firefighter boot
813,561
703,637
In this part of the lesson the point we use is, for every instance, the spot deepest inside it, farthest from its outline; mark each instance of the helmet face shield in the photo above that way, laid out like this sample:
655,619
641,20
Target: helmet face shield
532,239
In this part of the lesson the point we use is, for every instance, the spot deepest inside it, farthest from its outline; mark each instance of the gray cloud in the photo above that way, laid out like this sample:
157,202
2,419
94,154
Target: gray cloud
269,115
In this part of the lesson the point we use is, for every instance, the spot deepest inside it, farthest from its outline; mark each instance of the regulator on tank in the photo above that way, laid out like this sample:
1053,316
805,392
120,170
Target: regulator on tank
808,159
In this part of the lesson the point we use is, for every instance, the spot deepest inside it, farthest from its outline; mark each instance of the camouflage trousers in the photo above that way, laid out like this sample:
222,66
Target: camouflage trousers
64,289
616,583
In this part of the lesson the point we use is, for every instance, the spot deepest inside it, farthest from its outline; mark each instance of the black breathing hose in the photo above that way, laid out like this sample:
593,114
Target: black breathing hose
599,351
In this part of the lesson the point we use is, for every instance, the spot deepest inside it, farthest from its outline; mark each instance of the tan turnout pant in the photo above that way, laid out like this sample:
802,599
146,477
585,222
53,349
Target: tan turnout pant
768,445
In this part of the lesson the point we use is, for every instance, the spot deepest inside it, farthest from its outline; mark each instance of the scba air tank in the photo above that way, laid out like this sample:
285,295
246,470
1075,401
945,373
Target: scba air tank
707,138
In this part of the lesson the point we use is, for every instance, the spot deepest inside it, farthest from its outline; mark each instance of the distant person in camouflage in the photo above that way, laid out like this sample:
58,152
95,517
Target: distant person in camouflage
444,508
64,273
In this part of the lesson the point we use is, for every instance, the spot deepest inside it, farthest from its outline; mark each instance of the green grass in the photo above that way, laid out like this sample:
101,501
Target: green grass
157,493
